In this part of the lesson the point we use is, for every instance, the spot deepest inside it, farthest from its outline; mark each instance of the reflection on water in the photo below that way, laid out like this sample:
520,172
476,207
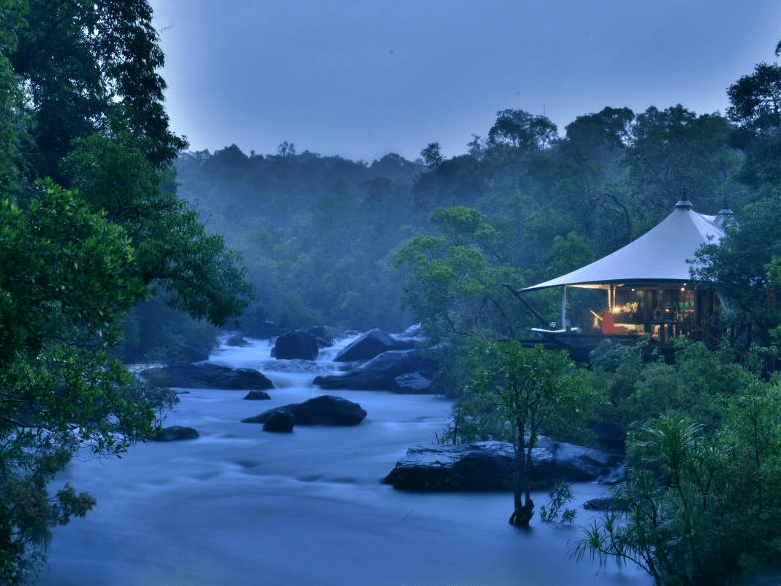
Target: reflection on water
243,507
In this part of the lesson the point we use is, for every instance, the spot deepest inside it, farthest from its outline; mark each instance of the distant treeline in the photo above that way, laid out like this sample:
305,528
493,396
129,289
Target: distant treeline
319,234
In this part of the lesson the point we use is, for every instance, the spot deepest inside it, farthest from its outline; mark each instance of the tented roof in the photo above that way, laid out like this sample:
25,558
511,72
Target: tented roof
658,255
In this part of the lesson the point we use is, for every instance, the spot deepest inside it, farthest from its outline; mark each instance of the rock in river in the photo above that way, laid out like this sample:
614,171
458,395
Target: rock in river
379,373
206,375
488,466
176,433
322,410
298,344
371,344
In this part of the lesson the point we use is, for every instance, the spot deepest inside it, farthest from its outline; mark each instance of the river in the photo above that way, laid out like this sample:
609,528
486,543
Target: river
243,507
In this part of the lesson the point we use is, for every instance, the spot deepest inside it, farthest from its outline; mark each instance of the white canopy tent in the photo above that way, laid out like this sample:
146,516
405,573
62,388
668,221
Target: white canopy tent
659,255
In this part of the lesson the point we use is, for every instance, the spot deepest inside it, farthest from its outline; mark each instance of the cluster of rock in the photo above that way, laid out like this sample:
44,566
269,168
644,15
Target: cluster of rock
489,466
381,362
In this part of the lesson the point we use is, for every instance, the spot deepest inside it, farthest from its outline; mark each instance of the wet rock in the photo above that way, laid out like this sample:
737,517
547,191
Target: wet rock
322,410
280,421
322,335
606,504
237,341
379,373
206,375
413,383
371,344
190,353
488,466
176,433
257,396
296,345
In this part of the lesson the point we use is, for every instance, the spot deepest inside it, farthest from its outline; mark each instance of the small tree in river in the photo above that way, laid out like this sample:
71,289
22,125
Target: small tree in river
514,393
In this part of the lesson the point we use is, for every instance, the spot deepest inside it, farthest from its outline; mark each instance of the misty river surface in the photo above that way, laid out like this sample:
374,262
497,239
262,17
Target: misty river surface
244,507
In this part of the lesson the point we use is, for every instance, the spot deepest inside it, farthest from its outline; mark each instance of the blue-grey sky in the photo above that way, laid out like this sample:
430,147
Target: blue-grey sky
364,78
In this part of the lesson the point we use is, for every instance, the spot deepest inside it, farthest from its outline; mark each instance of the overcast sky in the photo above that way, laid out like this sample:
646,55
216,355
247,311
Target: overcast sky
364,78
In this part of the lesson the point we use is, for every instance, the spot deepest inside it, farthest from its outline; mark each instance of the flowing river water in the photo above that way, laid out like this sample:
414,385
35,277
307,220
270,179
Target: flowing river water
243,507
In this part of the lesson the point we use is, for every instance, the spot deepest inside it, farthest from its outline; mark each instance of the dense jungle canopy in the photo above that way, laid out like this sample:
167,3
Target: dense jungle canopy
321,235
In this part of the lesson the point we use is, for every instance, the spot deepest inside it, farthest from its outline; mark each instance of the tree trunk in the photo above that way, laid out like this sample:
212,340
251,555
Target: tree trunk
524,506
523,513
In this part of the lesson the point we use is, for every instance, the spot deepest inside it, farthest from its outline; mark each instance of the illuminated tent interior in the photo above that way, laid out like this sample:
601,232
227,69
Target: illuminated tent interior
647,283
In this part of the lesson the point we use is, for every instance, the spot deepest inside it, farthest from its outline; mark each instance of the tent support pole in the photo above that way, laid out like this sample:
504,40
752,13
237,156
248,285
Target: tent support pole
564,308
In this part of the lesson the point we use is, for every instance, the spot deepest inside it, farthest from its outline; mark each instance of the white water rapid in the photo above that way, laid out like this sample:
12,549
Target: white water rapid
243,507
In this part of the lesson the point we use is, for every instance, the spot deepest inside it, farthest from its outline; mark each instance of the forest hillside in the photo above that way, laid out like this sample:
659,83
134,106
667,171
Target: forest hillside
320,235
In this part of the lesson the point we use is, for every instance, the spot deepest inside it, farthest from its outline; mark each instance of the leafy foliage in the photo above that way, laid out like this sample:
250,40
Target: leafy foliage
560,495
698,510
58,388
513,393
87,230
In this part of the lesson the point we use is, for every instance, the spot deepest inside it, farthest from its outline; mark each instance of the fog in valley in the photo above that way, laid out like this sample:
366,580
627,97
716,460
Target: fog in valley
262,307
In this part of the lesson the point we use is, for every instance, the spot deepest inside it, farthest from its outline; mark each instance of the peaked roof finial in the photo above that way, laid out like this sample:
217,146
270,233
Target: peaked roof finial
725,211
684,203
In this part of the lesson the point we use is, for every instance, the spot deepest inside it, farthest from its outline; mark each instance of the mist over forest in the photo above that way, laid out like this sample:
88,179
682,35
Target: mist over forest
319,235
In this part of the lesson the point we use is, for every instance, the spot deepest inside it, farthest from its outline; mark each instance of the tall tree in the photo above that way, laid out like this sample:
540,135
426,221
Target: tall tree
755,105
454,282
84,106
673,151
522,131
515,393
90,66
739,266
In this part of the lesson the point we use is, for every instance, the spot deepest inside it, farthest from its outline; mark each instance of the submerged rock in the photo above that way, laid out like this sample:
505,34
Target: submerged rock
488,466
206,375
379,373
176,433
257,396
322,410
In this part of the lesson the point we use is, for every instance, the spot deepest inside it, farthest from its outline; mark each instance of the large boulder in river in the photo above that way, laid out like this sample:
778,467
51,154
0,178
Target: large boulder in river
298,344
488,466
379,373
322,410
371,344
205,375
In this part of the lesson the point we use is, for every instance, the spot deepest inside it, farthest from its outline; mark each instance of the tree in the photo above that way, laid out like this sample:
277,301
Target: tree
453,283
522,131
514,393
674,151
10,97
432,157
58,390
697,508
91,66
755,105
84,106
175,253
738,267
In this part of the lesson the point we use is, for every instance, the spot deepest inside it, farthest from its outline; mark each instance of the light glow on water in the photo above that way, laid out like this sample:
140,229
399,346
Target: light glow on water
240,506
